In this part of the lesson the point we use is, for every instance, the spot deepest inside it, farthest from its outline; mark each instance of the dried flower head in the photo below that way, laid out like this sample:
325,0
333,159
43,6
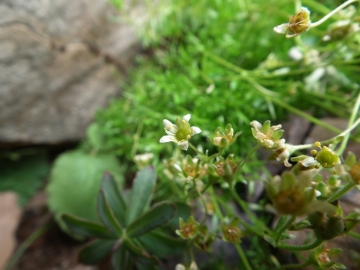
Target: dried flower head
298,24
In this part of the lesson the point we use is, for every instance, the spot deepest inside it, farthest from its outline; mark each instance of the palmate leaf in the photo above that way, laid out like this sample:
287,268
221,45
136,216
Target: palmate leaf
95,251
86,228
162,244
141,193
140,255
114,197
121,259
155,217
107,215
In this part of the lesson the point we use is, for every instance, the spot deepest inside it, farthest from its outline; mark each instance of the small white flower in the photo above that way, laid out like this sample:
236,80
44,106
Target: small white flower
142,160
180,133
268,136
192,266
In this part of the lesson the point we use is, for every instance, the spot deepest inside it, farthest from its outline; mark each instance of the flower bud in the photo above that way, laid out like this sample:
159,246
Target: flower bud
327,157
189,229
231,232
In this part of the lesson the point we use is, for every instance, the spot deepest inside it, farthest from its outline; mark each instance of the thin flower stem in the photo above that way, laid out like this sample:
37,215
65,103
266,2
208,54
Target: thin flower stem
312,245
224,63
215,203
315,24
257,147
351,126
339,193
249,227
258,223
195,149
283,228
22,248
216,155
243,257
354,234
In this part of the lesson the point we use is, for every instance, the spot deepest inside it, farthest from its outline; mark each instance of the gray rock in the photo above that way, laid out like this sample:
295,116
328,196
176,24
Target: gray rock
57,60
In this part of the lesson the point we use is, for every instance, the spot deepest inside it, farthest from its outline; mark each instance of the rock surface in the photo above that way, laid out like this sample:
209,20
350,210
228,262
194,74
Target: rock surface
57,60
10,214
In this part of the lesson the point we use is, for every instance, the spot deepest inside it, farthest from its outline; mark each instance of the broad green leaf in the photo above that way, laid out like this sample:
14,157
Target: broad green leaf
140,255
82,227
141,193
162,244
121,259
75,182
107,215
95,251
155,217
114,197
22,172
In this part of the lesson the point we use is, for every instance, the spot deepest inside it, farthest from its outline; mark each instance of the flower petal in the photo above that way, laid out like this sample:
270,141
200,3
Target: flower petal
187,117
183,145
195,130
165,139
256,125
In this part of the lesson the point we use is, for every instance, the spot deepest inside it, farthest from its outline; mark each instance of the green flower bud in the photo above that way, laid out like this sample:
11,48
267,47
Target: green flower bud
327,157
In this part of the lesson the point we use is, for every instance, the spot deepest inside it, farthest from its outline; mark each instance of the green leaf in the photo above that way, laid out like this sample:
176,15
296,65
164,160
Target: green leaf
183,211
23,173
75,182
121,258
142,190
95,251
114,197
140,255
82,227
107,215
94,135
157,216
270,240
162,244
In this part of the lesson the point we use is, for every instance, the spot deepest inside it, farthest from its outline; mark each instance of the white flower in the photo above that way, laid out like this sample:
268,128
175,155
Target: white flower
142,160
192,266
268,136
180,133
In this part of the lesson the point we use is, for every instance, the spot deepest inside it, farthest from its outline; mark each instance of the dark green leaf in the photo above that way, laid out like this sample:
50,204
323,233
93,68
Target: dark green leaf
121,259
107,215
183,211
114,197
140,255
157,216
95,251
162,244
142,190
22,172
83,227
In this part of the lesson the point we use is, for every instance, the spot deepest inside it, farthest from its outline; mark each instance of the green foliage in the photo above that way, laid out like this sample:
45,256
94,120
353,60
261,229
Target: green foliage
75,181
130,241
22,172
201,56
